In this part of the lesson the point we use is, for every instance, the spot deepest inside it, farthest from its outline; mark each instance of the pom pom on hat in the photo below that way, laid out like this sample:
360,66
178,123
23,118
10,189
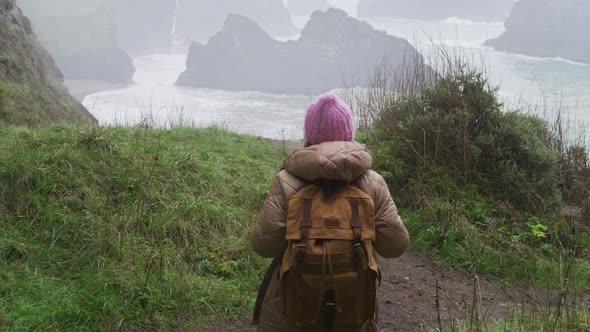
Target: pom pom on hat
328,119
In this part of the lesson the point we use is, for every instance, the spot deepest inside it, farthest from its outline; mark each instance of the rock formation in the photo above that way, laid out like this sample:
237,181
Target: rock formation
334,50
31,86
198,20
476,10
548,28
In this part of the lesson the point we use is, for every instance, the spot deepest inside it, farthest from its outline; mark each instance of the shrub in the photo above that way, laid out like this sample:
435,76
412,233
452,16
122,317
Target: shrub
479,187
574,172
518,165
455,130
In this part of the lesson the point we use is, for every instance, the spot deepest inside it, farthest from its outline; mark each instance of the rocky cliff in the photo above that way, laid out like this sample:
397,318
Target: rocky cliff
306,7
334,49
476,10
548,28
31,86
198,20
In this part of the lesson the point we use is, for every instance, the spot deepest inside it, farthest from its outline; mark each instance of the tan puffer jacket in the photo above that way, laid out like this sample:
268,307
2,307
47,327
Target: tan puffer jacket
339,161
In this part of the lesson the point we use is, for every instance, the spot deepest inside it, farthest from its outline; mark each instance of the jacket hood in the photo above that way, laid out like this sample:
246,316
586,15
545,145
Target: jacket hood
331,161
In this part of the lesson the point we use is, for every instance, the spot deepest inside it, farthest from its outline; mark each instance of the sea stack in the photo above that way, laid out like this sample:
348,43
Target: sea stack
548,28
334,50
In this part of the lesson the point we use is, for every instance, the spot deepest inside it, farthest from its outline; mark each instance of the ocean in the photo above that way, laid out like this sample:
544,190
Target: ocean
540,85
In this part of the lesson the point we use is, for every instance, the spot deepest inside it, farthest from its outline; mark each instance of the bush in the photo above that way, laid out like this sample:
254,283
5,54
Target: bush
455,130
574,172
479,187
517,165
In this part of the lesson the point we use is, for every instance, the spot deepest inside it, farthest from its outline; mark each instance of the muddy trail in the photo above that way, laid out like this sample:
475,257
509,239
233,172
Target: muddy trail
408,297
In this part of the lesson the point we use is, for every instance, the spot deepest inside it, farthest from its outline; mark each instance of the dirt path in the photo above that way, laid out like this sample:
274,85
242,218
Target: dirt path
408,297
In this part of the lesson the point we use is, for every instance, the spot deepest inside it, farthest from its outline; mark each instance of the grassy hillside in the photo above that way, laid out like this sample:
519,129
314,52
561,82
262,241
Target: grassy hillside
102,228
105,228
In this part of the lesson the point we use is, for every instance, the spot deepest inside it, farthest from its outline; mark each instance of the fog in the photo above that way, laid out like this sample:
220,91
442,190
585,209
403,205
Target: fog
145,27
96,40
278,47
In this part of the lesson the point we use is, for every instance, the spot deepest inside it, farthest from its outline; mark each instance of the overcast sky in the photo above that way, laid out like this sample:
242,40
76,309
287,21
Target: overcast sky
348,5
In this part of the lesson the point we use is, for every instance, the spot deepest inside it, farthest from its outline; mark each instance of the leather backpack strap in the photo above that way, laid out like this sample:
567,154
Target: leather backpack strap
356,224
305,227
306,224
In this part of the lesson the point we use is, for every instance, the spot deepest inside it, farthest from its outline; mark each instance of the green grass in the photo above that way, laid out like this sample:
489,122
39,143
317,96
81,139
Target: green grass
450,235
140,228
128,227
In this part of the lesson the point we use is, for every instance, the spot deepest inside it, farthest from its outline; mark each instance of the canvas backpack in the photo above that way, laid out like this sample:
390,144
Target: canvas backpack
328,274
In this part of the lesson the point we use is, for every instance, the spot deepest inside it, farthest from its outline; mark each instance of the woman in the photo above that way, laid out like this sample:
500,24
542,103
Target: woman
330,155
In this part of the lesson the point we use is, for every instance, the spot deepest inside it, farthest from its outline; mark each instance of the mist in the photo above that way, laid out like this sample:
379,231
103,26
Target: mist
110,50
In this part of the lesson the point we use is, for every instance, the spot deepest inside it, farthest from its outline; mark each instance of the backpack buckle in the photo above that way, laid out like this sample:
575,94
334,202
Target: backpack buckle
332,306
300,253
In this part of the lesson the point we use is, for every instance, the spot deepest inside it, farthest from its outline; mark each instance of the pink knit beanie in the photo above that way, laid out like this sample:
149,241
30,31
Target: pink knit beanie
328,119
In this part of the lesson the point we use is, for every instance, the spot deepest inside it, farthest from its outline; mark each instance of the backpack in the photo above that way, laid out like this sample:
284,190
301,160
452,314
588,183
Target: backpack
328,274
